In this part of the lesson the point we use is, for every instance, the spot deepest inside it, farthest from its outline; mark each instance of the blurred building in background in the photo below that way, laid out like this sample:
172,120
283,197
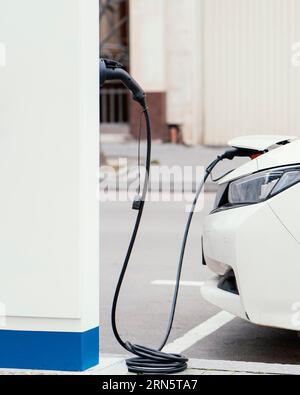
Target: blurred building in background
114,44
212,69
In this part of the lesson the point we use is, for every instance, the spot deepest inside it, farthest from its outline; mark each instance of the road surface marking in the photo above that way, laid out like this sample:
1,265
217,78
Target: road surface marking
182,283
199,332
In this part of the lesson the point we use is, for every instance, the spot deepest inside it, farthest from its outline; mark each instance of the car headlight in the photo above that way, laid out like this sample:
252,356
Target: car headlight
263,185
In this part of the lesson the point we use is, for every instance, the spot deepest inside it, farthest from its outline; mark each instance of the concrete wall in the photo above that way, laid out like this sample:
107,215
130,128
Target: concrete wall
184,75
224,65
147,43
251,85
148,61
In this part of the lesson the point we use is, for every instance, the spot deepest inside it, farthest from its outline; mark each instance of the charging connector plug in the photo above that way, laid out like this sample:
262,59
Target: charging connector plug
232,153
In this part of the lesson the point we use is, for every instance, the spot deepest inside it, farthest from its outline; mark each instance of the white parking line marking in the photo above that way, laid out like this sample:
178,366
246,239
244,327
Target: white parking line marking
199,332
182,283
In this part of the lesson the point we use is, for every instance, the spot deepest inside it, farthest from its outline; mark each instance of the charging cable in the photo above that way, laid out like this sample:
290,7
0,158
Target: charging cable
148,360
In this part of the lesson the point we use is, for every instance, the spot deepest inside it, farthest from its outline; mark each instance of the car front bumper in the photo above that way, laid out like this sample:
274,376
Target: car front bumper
265,258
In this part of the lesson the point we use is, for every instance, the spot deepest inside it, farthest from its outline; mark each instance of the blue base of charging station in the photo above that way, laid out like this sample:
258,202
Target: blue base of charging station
65,351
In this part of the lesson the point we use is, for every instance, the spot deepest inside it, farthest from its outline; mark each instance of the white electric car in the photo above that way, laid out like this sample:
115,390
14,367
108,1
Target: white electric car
251,239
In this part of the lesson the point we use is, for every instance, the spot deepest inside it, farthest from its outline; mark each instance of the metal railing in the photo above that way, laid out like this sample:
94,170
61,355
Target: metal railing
114,105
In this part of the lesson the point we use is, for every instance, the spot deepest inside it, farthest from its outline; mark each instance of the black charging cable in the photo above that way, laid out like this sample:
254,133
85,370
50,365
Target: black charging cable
148,360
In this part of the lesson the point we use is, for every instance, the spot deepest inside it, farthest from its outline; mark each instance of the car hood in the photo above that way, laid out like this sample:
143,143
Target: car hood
283,155
260,142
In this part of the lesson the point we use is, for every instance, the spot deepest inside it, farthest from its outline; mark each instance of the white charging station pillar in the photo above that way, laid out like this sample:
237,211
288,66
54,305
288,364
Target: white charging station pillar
49,155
